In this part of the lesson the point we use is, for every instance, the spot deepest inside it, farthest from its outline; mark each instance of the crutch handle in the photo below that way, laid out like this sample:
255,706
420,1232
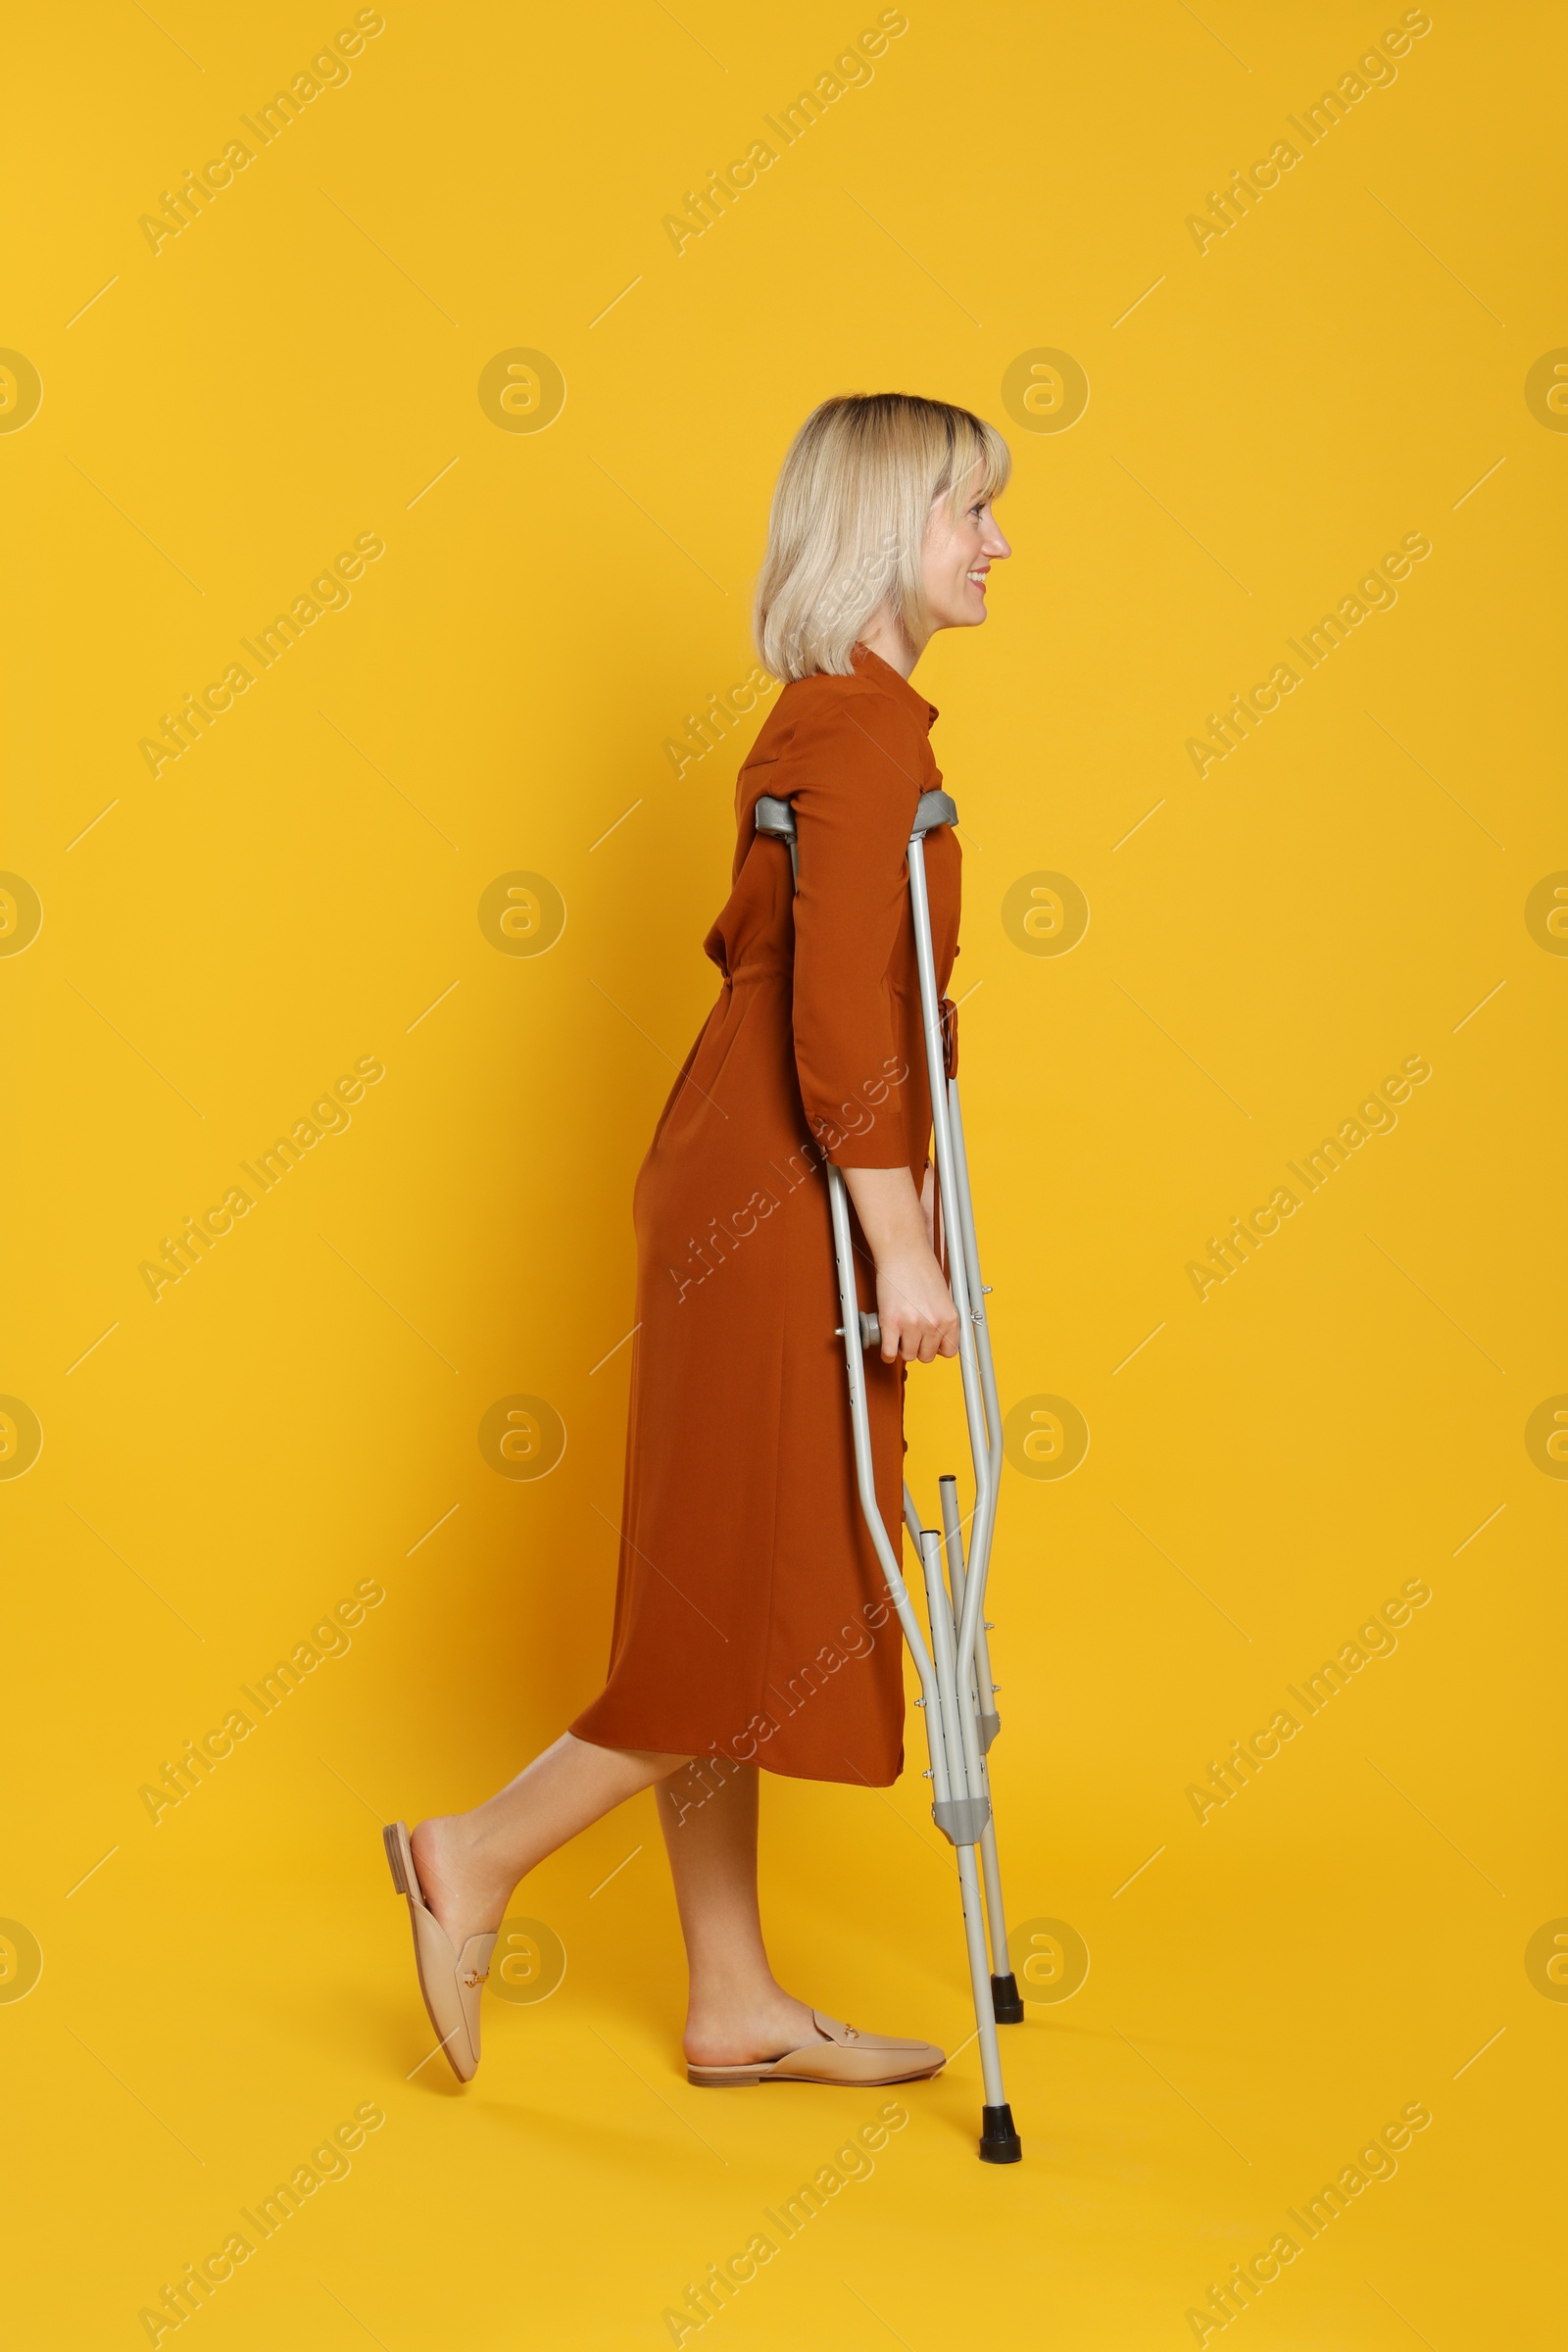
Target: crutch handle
870,1330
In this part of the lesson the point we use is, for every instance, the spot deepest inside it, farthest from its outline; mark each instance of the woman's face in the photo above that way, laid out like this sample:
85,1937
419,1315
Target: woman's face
959,550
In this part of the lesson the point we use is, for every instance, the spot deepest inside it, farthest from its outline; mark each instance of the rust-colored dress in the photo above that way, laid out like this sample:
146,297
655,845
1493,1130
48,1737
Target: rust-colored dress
752,1618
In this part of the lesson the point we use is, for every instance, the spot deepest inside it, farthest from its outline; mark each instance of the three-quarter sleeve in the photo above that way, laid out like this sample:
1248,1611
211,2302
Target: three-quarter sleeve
854,775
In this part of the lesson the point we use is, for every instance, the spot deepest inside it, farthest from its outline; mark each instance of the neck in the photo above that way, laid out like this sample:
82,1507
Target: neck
887,639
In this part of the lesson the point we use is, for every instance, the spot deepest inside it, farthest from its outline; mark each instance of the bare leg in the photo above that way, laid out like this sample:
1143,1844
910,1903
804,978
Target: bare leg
736,2011
469,1863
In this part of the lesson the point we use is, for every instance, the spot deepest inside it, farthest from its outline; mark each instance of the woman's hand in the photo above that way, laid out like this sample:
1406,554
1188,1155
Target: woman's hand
915,1308
913,1304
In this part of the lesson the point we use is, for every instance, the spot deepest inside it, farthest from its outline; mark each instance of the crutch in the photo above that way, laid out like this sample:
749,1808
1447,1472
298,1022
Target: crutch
958,1694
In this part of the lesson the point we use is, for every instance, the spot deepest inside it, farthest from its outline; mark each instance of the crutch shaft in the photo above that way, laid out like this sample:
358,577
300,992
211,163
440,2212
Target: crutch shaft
968,1807
865,1479
948,1181
1005,2002
939,1616
980,1977
985,1517
979,1679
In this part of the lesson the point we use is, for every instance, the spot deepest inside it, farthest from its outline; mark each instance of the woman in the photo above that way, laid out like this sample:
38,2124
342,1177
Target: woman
752,1627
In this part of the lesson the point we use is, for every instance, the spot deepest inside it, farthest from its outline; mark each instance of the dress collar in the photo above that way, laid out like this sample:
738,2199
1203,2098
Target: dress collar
872,665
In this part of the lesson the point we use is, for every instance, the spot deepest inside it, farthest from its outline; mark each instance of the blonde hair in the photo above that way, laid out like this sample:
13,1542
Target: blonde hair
848,525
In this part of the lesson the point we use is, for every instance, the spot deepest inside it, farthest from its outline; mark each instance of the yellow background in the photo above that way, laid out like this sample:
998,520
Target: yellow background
294,893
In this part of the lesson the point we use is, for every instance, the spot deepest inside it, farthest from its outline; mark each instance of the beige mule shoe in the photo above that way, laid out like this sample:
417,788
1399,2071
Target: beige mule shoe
846,2056
449,1979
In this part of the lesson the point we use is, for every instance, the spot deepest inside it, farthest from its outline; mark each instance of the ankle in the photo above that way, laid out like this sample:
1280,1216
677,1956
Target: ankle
460,1882
734,1993
731,2024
